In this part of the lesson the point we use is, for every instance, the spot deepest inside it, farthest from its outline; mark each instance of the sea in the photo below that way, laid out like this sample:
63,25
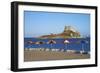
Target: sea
74,43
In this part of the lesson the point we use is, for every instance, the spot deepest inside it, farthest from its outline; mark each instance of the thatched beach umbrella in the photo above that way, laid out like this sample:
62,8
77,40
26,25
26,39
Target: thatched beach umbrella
39,43
66,42
51,42
30,44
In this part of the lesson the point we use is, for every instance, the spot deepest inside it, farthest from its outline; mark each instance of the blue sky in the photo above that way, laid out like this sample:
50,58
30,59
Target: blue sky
43,23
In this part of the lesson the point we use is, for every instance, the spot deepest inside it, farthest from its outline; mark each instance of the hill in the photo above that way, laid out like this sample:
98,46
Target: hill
69,32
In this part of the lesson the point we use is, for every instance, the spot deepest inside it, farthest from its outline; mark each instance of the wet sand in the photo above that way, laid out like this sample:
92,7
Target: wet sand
37,55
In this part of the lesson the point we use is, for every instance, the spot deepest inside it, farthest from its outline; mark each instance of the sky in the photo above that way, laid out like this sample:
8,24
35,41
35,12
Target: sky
43,23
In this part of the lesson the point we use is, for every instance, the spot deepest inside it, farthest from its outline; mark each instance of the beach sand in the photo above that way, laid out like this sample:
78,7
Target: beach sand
37,55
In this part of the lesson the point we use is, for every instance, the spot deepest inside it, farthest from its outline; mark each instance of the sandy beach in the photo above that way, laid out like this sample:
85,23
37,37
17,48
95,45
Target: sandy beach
37,55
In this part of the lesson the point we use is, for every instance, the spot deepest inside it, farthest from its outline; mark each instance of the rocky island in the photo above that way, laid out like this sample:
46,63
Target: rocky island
69,32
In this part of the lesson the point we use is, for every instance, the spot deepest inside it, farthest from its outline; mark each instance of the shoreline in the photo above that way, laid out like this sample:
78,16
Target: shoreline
41,55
